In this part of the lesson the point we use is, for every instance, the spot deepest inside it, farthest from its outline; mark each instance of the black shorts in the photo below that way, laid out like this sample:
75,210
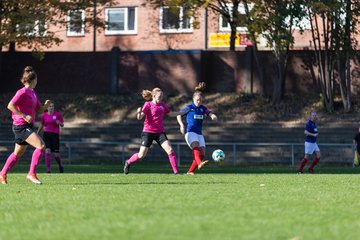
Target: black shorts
52,141
147,138
22,132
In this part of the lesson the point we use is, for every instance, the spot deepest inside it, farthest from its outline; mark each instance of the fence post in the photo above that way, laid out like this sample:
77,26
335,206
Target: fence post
292,155
353,154
122,153
68,145
178,153
234,153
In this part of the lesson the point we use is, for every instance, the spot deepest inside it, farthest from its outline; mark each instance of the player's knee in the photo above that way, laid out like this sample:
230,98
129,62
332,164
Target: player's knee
141,155
168,150
194,145
41,146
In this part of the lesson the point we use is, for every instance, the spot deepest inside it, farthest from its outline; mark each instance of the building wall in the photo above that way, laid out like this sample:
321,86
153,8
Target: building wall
148,36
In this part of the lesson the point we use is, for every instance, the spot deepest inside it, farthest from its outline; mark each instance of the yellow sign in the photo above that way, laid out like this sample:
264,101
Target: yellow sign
222,40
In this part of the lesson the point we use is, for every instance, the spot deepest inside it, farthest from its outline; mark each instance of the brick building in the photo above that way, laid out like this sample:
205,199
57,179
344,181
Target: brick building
135,27
91,61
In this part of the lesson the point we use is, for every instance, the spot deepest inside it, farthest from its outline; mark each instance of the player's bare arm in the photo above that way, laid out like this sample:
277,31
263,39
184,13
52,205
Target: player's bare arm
13,109
213,116
44,107
139,114
41,126
182,127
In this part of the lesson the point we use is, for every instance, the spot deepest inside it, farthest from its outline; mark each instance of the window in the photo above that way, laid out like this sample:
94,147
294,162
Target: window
301,23
76,19
121,20
174,20
225,26
35,29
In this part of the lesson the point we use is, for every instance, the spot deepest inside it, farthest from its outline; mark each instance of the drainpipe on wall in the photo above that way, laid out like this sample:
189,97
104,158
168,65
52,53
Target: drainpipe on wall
206,28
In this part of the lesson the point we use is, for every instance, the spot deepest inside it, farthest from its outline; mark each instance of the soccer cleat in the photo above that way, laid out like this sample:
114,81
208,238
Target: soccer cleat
126,167
3,179
311,170
202,164
299,172
190,173
61,169
33,178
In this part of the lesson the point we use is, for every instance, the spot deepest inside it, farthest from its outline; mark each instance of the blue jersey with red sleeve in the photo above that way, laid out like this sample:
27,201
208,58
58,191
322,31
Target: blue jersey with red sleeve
311,128
194,117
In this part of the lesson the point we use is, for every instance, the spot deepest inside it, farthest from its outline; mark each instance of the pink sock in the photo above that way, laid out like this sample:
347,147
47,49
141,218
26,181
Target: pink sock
10,162
48,161
133,158
35,160
58,160
173,162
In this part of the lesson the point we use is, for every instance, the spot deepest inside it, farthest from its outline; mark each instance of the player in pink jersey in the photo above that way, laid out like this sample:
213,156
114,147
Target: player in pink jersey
51,121
154,110
24,106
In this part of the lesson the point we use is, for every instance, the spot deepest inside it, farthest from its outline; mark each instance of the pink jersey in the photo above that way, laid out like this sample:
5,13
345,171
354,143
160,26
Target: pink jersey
154,116
49,122
26,101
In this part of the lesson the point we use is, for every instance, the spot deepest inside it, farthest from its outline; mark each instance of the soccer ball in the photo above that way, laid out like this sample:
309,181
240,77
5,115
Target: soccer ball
218,155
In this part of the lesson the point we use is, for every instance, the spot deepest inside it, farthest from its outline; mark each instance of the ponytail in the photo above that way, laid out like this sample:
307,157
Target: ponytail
29,75
146,94
199,89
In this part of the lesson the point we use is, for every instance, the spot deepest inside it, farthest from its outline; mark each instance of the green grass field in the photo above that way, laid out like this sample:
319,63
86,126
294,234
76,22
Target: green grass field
96,202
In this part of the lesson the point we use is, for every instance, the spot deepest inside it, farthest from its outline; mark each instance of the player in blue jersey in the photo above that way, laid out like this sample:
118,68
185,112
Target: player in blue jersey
195,114
311,146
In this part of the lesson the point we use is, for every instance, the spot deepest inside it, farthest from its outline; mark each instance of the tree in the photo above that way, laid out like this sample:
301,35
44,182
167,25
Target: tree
28,22
276,21
334,25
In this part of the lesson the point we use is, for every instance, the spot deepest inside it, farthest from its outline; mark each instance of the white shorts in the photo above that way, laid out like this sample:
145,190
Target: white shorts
310,148
191,137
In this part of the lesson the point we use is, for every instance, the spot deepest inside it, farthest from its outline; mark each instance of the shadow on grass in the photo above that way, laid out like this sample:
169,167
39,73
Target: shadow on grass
156,168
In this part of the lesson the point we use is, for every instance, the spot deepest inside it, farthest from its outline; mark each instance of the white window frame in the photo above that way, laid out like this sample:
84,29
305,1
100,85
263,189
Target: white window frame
180,29
36,30
75,34
241,9
126,31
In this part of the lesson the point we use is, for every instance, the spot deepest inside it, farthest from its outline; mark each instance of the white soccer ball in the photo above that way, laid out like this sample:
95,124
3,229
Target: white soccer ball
218,155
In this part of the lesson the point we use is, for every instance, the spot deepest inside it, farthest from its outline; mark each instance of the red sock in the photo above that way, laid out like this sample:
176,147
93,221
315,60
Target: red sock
193,166
313,163
197,155
302,164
